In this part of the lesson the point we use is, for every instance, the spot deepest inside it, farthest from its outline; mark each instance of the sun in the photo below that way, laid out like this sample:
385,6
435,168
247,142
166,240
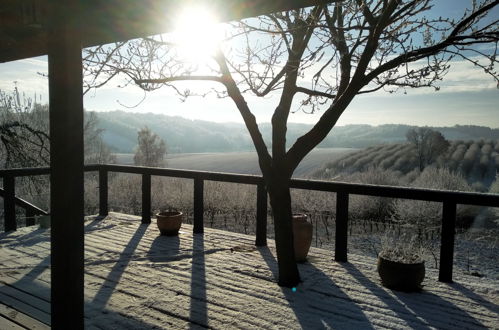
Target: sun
197,34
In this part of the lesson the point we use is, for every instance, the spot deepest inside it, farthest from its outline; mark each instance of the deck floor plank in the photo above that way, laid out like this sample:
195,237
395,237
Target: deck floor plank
16,319
24,307
135,278
7,324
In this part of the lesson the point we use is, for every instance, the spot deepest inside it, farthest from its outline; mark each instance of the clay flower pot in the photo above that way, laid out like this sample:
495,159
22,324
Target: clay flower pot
169,222
401,276
302,232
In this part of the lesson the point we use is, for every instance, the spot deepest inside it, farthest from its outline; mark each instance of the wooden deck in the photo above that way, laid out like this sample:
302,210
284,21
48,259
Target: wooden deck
135,279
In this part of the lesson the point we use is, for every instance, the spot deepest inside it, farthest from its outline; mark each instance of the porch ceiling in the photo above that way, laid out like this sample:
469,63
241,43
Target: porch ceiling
23,22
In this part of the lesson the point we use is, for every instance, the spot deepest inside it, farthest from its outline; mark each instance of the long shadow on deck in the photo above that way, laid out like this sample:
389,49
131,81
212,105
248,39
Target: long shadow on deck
491,306
30,294
113,278
321,303
198,310
418,309
165,249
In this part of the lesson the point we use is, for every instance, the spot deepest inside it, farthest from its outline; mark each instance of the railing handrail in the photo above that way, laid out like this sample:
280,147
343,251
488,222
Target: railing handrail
25,171
25,204
449,200
181,173
423,194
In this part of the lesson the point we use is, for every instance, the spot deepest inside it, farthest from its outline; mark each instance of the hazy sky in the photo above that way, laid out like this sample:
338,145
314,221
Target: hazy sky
467,96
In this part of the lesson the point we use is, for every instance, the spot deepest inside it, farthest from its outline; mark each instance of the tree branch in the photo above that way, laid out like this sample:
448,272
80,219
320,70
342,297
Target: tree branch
312,92
264,157
179,78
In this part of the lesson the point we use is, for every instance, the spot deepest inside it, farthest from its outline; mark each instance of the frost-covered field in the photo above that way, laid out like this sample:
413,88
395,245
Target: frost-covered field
242,162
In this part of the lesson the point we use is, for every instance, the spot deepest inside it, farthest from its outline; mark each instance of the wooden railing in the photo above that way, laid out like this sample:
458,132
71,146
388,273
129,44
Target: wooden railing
449,200
10,200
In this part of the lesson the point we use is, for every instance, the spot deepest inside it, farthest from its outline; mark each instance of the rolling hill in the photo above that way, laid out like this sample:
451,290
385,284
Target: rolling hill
477,161
193,136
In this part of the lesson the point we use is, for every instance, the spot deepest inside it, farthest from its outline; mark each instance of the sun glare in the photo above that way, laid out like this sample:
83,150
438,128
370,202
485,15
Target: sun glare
197,34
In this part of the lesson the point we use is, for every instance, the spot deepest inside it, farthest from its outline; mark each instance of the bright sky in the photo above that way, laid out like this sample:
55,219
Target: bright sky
467,96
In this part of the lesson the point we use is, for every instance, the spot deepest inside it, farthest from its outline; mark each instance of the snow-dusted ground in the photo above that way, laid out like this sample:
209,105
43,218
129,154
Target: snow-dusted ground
135,279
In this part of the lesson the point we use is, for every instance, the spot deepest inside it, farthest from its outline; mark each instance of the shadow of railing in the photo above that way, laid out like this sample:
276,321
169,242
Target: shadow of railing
198,314
476,298
421,310
108,286
31,282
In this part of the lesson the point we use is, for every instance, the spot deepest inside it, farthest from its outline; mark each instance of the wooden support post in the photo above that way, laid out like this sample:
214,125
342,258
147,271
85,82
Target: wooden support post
146,198
30,217
9,203
198,206
341,238
103,192
261,215
447,243
66,160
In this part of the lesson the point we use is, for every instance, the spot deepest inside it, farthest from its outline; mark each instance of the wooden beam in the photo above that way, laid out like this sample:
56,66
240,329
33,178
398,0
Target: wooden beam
103,192
261,215
9,203
66,160
23,35
146,198
341,235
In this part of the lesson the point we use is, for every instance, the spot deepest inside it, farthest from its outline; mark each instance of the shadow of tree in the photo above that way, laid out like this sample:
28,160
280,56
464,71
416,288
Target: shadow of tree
318,302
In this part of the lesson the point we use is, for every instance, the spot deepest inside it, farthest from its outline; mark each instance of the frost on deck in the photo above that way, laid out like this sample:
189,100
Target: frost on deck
135,278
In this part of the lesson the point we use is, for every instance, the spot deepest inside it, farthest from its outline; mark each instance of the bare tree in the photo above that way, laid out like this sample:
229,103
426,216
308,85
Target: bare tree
23,137
96,150
429,144
318,58
151,149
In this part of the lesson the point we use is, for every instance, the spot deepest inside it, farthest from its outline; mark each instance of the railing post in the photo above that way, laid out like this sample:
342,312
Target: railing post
261,215
447,243
341,238
9,185
103,192
146,198
198,206
30,217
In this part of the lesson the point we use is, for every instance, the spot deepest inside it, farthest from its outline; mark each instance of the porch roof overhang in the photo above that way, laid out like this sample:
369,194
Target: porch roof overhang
23,32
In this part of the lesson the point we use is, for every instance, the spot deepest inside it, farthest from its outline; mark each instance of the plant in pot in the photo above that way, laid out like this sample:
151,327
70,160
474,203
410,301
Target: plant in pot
400,263
169,222
302,233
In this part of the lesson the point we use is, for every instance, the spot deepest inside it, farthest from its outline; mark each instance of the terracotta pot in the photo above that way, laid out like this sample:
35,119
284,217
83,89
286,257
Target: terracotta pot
169,222
302,232
401,276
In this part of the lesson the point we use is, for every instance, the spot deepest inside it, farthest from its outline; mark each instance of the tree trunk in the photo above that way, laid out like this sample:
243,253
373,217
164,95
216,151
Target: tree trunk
280,200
